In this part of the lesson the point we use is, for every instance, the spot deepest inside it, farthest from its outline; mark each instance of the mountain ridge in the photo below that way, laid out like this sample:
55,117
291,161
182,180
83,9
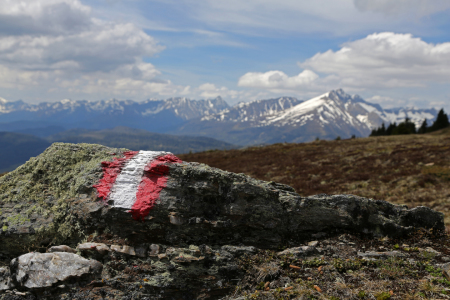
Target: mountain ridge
281,119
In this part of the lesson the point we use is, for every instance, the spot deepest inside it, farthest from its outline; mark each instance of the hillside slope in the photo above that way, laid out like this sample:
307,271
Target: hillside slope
17,148
137,139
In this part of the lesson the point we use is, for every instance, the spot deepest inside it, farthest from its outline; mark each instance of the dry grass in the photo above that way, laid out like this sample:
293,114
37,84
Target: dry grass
412,170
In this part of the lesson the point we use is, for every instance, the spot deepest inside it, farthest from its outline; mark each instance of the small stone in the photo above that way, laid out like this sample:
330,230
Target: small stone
141,250
175,219
446,270
318,288
239,250
431,250
99,247
154,250
162,256
61,248
373,254
123,249
313,243
5,279
300,251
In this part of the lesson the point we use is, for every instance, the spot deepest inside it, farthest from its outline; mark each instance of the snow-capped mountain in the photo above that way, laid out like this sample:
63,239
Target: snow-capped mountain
258,122
327,116
252,111
153,115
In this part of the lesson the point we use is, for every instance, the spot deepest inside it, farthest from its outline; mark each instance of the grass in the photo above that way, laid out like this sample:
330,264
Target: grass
410,169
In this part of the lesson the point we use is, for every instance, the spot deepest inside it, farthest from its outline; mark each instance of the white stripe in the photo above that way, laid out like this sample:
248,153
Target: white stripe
123,193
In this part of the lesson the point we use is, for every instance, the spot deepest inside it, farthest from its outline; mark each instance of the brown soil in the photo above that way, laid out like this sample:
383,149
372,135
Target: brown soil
411,169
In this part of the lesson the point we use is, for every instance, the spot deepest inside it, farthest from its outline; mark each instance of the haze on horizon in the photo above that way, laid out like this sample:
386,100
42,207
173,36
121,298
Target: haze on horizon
391,53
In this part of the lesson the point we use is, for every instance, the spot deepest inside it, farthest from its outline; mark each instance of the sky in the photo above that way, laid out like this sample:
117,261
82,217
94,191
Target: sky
393,53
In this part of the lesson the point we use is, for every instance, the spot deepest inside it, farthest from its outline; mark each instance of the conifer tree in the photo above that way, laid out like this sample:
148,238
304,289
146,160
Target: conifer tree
441,121
391,128
424,127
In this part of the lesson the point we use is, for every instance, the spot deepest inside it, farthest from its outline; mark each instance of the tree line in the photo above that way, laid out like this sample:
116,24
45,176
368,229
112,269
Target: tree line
408,127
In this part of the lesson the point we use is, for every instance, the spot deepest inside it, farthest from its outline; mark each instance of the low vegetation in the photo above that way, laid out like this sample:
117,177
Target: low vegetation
405,169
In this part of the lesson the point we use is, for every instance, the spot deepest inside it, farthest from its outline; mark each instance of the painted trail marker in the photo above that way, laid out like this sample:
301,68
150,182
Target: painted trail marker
135,181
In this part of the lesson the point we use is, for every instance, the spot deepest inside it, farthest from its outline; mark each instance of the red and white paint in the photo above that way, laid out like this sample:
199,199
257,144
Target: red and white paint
135,181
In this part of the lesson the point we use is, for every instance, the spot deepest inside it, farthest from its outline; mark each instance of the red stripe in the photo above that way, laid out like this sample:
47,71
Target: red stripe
152,183
111,169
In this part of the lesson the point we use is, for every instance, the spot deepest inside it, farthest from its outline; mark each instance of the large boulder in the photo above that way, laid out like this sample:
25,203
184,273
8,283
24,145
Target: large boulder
52,199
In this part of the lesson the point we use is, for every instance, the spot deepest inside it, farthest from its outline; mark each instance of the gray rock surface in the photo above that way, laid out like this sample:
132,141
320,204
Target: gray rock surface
51,199
98,247
61,248
39,270
5,279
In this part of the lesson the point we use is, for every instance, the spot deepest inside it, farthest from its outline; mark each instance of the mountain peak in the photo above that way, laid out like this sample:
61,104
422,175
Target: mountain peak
3,100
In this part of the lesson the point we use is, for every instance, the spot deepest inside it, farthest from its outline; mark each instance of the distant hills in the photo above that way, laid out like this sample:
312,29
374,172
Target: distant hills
138,139
17,148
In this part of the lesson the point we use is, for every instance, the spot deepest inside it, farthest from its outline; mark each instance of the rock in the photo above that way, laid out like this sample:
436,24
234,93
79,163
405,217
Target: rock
141,250
239,250
38,270
313,243
300,251
61,248
154,250
99,247
446,270
123,249
5,279
373,254
197,205
281,282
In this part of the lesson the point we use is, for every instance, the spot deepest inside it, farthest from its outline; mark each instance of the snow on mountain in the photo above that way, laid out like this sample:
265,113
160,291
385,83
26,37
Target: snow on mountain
182,107
351,109
252,111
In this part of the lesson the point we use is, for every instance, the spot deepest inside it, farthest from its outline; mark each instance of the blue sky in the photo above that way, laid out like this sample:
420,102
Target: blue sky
395,53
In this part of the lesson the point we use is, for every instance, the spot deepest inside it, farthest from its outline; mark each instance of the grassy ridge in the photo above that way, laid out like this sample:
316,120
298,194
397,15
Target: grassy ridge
410,169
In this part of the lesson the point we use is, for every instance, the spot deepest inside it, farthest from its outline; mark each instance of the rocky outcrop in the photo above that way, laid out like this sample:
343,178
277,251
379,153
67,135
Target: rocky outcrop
51,199
189,233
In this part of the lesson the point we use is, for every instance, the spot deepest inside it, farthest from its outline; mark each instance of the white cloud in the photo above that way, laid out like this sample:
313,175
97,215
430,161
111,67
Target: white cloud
209,90
277,80
385,60
57,46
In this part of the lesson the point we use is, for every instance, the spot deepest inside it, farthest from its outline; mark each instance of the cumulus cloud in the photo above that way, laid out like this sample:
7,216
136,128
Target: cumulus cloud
209,90
385,60
277,80
59,46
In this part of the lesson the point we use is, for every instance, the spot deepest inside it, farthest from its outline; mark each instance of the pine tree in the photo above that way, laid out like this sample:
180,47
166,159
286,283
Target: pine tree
441,121
391,128
424,127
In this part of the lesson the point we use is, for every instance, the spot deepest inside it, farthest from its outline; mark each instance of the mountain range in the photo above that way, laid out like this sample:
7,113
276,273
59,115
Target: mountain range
283,119
327,116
